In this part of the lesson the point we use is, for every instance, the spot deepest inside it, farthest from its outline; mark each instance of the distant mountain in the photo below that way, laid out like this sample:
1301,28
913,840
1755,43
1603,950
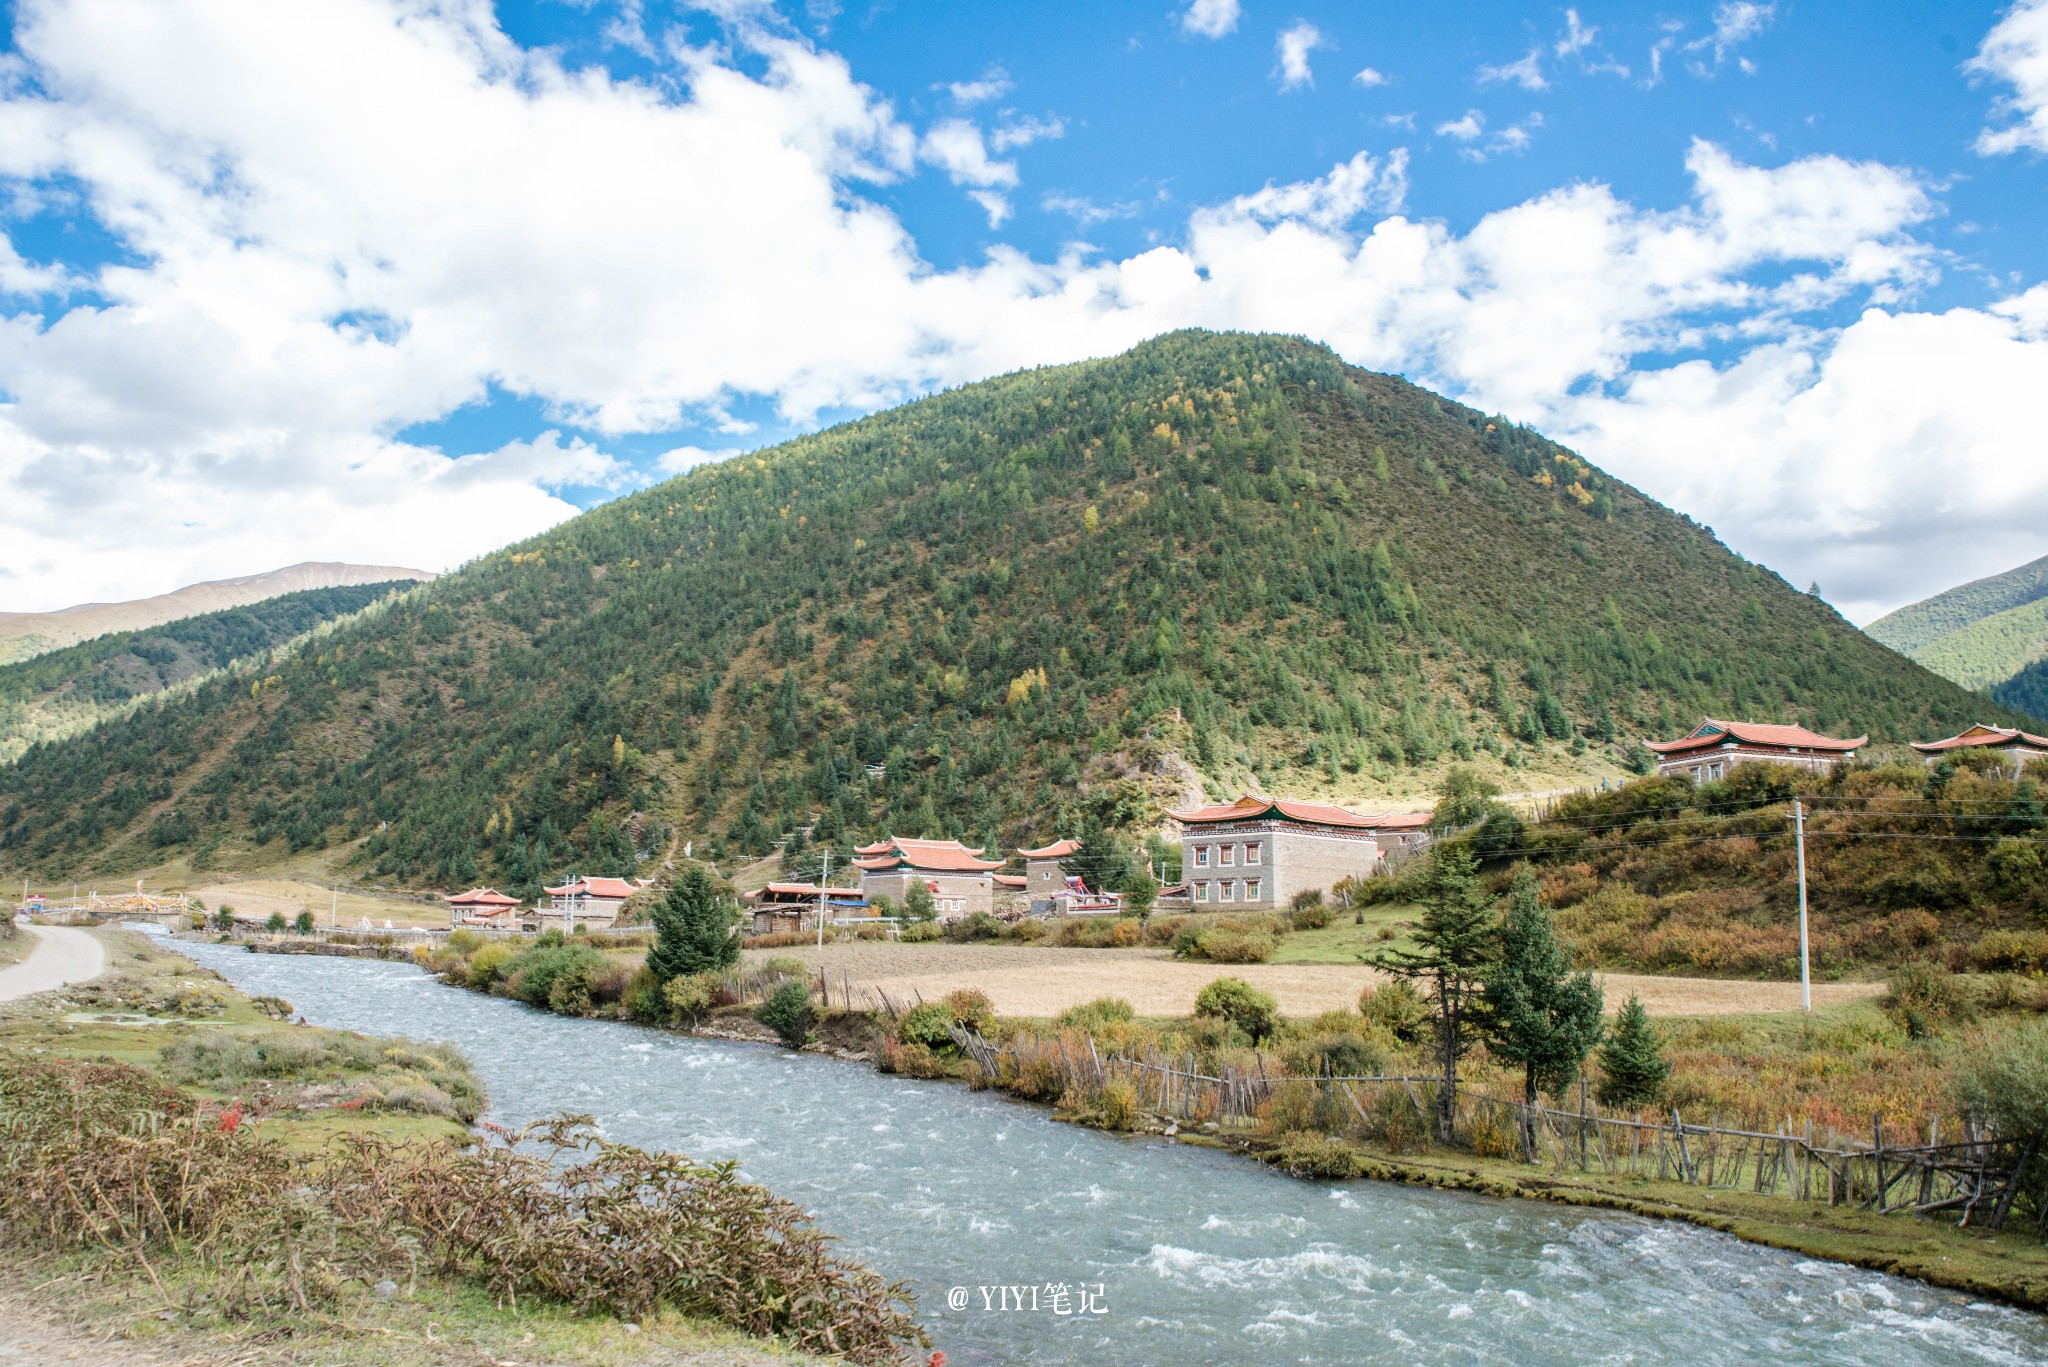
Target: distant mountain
67,690
2026,691
1979,634
27,634
1072,594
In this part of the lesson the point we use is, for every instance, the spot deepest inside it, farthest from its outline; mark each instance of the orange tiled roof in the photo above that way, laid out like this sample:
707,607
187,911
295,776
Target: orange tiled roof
1980,735
1059,849
594,887
1401,821
938,856
482,897
1008,880
1711,734
1251,808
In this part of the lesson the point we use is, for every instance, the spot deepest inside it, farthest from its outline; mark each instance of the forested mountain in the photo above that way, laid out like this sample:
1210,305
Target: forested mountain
1057,595
67,690
1979,634
2026,691
25,634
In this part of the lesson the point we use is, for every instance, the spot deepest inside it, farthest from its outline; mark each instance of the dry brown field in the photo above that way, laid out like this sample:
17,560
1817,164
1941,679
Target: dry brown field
1026,980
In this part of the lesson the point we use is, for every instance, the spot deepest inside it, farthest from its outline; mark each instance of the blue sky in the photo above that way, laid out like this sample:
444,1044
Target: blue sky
383,280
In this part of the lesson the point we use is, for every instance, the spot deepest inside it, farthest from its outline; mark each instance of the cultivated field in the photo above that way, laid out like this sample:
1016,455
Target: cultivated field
256,898
1026,980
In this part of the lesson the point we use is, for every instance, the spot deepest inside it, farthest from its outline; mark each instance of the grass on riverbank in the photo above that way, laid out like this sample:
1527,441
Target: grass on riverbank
267,1212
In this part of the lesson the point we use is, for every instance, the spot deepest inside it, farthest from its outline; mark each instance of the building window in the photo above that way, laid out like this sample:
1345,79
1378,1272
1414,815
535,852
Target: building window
1201,856
1251,890
1229,855
1251,854
1202,892
1229,891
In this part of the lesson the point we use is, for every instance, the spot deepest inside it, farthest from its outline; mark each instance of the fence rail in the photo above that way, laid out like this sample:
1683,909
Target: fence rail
1977,1178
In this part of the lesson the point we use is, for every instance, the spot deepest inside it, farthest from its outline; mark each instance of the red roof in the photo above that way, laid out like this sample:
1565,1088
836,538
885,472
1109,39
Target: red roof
1711,734
1978,735
1250,808
806,890
1059,849
879,847
1401,821
482,897
606,888
939,856
1008,880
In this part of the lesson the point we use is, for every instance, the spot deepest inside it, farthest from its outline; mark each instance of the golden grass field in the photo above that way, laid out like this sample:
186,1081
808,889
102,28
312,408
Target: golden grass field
1027,980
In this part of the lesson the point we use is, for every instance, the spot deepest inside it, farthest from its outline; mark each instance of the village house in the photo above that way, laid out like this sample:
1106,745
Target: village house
782,908
1010,902
1045,877
483,907
1401,835
961,882
2016,747
1257,853
1715,747
585,901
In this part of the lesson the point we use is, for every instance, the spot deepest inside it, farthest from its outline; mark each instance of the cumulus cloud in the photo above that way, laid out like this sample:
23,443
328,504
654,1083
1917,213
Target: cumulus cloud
1369,77
992,84
1294,44
2015,53
1210,18
306,274
1526,73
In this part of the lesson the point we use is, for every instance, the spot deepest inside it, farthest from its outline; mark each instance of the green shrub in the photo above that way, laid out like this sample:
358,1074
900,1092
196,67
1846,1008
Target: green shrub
787,1011
921,932
1924,998
1304,1154
1337,1055
972,1008
532,974
689,999
2001,1079
643,998
1027,931
1093,1015
2011,951
487,966
1223,946
1310,912
929,1024
783,966
465,942
1397,1008
1117,1103
979,926
1244,1006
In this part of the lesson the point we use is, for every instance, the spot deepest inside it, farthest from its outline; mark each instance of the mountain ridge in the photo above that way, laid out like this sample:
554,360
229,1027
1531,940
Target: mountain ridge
1011,610
24,635
1978,634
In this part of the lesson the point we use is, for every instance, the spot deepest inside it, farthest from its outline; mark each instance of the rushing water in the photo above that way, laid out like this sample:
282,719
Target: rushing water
1201,1258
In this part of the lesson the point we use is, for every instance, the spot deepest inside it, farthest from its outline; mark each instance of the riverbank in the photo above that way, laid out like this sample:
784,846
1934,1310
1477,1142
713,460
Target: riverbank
1847,1058
329,1203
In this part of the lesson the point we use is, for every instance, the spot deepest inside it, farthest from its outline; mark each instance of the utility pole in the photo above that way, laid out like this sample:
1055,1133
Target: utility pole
824,875
334,906
1805,977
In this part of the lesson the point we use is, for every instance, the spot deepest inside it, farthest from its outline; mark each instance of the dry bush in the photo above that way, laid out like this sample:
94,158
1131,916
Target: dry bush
1568,884
2010,951
1117,1104
1314,1155
1607,926
1223,946
103,1157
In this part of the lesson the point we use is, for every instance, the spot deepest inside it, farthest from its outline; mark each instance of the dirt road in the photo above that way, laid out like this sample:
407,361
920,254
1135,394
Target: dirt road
62,955
1026,980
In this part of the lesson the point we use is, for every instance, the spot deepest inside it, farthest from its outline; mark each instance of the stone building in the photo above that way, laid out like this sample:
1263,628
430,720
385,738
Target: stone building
960,880
2015,747
1401,835
1715,747
1045,877
781,908
585,902
484,907
1257,853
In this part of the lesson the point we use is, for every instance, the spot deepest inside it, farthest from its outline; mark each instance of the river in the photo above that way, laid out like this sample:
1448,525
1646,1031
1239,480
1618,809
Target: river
1171,1256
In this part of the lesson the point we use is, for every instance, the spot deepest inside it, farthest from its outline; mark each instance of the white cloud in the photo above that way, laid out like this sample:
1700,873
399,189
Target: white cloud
1735,23
1210,18
685,458
1022,132
314,272
992,84
1577,38
2016,53
1465,129
1368,77
1294,44
1085,211
1526,73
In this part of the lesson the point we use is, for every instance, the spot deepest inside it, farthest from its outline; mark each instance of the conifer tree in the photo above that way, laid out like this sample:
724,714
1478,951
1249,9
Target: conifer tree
917,902
1632,1062
1539,1012
1456,941
692,929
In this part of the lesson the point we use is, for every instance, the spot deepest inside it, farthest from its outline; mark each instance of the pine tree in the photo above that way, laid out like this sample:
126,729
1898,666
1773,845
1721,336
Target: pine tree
1632,1062
1456,938
1539,1013
692,929
917,902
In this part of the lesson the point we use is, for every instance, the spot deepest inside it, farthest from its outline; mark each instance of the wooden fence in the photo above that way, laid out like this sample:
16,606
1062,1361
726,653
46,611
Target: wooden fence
1977,1178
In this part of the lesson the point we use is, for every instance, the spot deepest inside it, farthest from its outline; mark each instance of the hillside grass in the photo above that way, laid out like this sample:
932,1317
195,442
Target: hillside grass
1992,649
1388,926
1917,626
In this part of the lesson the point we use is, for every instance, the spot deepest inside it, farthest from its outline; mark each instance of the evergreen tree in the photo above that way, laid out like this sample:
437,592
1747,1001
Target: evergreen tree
918,904
692,929
304,923
1632,1062
1539,1013
1455,946
1104,862
1463,798
1140,890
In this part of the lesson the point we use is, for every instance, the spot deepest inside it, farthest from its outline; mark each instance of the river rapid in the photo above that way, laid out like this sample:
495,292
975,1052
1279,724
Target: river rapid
1169,1256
